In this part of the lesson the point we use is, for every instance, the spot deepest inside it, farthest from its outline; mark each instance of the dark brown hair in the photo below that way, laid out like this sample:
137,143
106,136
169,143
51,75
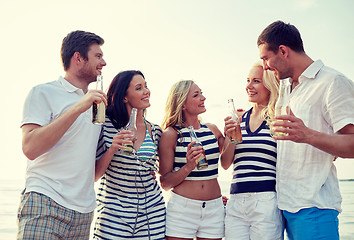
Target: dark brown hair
280,33
77,41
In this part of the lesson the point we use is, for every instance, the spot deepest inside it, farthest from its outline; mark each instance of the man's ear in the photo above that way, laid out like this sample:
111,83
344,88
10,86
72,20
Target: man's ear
77,57
284,50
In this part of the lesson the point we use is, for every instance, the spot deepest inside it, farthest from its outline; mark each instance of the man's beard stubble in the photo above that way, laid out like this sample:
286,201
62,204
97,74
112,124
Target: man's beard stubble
87,75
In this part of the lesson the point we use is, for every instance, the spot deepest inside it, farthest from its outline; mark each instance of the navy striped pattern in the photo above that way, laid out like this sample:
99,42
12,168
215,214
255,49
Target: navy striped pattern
130,201
255,160
210,146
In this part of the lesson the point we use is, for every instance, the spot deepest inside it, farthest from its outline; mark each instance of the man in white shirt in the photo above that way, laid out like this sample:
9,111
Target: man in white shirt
60,141
320,128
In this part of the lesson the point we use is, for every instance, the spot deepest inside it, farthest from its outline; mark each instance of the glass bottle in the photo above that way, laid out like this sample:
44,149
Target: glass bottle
99,110
201,162
235,135
281,106
131,126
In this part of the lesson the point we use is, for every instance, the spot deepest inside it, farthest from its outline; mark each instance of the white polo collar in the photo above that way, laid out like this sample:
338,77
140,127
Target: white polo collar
68,86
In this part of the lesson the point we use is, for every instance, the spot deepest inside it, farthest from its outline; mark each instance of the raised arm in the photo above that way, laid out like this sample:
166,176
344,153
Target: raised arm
169,178
37,139
341,144
218,135
119,139
228,151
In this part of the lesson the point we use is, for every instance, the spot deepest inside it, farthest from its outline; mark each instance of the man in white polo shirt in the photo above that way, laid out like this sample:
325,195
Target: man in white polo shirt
320,128
60,142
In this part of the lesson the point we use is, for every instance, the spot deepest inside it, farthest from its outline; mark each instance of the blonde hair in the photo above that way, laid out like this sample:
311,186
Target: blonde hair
272,84
174,103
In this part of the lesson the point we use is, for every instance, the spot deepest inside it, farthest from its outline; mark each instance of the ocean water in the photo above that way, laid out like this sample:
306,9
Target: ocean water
10,194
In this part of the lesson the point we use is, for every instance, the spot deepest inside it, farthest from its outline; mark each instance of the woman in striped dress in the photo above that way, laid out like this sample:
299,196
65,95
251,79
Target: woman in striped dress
130,201
251,211
195,208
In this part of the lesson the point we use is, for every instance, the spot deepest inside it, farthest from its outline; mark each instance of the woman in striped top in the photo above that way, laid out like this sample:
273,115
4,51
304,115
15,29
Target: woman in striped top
130,201
195,208
252,212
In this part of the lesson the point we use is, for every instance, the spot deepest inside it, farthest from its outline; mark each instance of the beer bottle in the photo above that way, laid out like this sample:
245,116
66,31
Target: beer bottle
131,126
99,110
235,135
201,162
281,106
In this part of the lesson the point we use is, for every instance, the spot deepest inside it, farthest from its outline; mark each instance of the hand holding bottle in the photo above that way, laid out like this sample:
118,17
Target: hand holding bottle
121,139
131,127
294,129
99,109
193,154
196,145
88,99
230,126
234,132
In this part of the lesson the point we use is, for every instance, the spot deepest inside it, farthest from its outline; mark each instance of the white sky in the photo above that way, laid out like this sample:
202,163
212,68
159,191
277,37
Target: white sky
211,42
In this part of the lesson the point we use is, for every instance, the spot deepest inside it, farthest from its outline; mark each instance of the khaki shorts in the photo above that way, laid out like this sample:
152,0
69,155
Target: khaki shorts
39,217
188,218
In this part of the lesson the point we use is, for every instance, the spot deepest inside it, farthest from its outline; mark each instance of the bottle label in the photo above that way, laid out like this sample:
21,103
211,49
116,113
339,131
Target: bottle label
98,113
129,149
236,135
201,162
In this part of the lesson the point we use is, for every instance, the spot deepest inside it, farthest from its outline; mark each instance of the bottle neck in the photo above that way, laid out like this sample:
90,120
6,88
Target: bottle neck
232,109
132,120
284,98
133,115
284,88
99,82
193,135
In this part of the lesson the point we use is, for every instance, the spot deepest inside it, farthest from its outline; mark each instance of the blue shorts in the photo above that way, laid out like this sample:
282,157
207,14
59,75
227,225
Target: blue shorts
312,223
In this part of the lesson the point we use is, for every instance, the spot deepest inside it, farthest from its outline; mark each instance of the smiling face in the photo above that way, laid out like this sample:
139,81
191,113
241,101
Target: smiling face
138,94
194,103
275,62
92,67
256,91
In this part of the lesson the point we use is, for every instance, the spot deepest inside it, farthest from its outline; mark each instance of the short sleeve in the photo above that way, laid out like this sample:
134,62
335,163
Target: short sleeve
36,108
340,102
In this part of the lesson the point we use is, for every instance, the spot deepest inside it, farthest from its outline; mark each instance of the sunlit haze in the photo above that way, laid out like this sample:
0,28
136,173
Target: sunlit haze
211,42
